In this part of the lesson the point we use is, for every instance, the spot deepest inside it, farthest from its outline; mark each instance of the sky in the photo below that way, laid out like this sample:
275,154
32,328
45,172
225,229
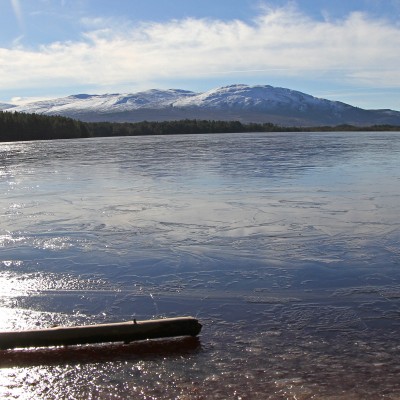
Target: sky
345,50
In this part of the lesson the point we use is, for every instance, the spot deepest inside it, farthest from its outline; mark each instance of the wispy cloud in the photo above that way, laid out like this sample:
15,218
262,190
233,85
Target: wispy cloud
279,42
18,13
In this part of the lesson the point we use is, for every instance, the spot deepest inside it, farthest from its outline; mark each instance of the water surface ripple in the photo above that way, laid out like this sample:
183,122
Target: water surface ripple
285,246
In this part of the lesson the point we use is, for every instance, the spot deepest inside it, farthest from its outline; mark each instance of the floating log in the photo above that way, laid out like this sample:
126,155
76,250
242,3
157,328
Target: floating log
102,333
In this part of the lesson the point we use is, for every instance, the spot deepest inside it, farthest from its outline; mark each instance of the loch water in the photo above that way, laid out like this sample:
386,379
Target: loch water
286,247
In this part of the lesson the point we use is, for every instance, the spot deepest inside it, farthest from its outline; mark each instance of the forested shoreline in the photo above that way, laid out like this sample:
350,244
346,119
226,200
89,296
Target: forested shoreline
26,127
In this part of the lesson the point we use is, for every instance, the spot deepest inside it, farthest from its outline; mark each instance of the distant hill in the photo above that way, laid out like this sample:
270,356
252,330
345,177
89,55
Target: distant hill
259,104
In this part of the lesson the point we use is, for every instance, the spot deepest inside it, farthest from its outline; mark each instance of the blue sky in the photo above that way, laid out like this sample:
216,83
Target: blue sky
345,50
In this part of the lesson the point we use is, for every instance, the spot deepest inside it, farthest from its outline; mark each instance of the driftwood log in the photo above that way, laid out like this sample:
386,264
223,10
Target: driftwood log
116,332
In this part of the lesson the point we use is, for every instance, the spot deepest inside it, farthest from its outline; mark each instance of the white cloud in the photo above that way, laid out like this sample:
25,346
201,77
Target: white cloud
279,42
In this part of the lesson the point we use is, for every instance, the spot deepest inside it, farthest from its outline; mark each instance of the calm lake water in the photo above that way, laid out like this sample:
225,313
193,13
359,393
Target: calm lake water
285,246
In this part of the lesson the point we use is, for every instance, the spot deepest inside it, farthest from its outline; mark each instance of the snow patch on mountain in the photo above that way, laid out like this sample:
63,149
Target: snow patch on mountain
260,97
106,103
6,106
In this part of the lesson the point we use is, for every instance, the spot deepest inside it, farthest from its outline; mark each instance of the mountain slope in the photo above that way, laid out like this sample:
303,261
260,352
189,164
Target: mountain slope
236,102
6,106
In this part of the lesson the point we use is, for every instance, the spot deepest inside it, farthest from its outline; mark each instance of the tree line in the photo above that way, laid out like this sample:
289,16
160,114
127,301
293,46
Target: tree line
16,126
22,127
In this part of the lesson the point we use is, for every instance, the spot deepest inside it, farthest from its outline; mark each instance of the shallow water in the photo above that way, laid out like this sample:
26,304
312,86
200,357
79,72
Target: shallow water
285,246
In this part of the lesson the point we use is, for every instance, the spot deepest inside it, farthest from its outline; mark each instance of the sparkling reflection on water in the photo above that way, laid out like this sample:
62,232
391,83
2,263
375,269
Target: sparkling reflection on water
285,246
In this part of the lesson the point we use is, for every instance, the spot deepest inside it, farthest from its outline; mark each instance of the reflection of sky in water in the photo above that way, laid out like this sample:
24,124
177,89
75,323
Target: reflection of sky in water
286,246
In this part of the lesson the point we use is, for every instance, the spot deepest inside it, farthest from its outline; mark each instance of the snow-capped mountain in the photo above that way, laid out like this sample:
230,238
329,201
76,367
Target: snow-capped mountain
105,103
261,103
248,97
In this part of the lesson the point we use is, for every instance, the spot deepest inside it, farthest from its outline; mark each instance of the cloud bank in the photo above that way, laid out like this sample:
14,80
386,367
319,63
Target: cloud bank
279,42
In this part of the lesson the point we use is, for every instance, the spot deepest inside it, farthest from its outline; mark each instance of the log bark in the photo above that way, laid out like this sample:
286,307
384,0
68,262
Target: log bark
116,332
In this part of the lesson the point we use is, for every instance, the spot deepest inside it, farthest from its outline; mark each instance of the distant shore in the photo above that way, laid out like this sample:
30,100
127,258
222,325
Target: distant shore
26,127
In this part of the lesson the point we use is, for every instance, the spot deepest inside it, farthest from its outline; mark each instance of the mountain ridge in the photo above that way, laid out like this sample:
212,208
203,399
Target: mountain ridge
244,103
6,106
